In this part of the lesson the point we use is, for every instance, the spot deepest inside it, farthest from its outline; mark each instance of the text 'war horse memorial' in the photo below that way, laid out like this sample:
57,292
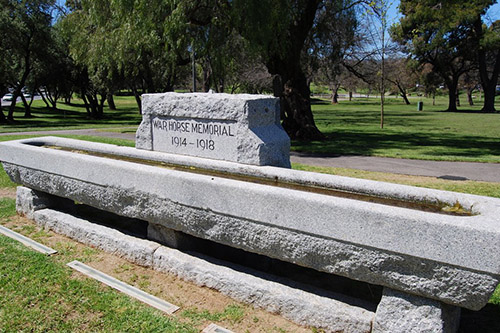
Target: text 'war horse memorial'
210,174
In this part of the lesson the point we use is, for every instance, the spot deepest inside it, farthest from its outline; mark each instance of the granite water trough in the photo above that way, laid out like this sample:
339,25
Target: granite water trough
436,246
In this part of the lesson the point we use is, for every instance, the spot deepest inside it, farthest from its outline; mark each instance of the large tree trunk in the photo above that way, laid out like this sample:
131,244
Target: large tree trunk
111,101
3,119
137,97
489,98
292,86
452,94
335,93
488,82
469,96
296,112
27,107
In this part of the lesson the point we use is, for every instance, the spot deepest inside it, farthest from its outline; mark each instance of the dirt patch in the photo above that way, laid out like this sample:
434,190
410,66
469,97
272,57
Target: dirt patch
198,305
8,192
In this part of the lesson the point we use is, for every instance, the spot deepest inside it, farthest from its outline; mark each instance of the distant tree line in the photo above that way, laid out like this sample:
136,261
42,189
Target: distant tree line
96,48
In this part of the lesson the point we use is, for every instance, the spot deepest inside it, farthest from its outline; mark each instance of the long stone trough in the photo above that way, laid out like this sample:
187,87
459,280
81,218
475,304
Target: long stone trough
440,247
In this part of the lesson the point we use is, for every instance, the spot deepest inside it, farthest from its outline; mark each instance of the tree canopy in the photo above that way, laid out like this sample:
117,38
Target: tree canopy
444,34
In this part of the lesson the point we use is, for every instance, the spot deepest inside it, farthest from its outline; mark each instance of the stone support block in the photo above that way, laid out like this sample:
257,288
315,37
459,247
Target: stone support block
169,237
400,312
245,285
28,201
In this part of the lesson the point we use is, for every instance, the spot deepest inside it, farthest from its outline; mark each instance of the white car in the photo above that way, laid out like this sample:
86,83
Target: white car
7,97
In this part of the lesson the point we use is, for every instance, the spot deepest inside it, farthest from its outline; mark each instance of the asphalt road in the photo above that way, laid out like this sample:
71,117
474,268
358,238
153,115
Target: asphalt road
488,172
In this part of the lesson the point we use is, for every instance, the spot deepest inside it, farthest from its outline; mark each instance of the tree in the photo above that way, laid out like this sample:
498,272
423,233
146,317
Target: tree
279,29
487,48
401,72
330,40
441,33
26,28
377,14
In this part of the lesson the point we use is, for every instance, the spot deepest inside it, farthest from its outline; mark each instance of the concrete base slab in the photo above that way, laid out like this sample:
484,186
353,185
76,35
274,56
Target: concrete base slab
110,240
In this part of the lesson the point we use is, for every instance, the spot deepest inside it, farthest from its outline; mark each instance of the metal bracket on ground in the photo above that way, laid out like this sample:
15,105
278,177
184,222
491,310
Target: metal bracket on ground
123,287
213,328
27,241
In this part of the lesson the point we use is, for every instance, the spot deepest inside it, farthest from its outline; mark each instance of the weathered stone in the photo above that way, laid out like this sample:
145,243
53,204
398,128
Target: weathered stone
400,312
28,201
231,127
110,240
423,253
245,285
329,312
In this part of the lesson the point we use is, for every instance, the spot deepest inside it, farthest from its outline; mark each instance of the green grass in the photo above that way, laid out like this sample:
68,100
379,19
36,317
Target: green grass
353,128
7,207
73,116
233,313
469,186
39,294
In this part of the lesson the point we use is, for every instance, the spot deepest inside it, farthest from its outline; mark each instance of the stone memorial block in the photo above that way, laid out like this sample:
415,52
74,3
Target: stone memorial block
239,128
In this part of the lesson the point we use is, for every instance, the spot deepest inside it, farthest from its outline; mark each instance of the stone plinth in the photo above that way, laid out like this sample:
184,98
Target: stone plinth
238,128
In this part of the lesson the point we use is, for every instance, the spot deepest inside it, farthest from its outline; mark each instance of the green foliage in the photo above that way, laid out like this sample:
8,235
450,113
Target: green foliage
442,33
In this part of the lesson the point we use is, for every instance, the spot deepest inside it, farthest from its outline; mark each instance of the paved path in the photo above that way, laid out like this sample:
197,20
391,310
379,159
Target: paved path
489,172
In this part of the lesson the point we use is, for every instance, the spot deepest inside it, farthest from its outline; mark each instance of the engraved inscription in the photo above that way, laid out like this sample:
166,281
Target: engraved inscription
193,136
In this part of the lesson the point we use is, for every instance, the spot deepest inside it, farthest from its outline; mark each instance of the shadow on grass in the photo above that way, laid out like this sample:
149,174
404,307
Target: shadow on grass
75,115
471,111
345,142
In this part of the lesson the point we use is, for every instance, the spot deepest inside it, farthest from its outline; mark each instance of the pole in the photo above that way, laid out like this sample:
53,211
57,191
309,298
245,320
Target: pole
194,67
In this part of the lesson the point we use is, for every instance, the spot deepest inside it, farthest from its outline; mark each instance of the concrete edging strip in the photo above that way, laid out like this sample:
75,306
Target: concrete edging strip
124,288
213,328
27,241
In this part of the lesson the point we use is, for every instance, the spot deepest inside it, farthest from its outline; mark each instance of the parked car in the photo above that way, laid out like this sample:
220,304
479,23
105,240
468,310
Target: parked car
7,97
27,95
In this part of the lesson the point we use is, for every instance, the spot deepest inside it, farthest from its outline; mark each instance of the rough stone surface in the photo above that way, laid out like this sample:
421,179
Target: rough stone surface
432,255
110,240
295,304
28,201
242,284
400,312
239,128
427,278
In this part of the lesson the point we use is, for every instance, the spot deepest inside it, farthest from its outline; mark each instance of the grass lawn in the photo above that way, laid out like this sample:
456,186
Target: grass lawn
353,128
73,116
